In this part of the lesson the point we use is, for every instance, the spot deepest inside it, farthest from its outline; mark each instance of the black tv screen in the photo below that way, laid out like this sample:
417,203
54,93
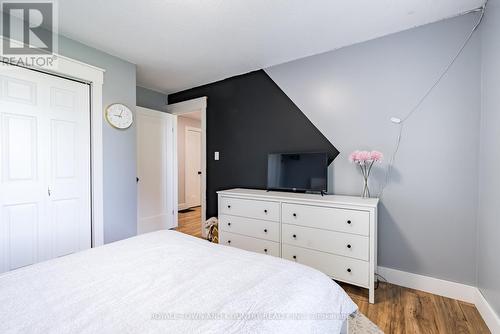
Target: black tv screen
297,171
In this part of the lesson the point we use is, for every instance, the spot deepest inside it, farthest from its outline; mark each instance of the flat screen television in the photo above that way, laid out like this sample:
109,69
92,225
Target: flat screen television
300,172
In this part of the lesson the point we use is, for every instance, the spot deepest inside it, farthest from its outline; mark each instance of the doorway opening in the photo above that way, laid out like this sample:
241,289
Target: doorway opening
189,172
191,165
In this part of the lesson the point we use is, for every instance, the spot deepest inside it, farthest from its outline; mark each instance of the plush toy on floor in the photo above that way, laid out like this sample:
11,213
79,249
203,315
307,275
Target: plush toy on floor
211,230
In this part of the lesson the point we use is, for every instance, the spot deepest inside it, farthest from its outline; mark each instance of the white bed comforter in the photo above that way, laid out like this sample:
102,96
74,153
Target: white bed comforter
168,282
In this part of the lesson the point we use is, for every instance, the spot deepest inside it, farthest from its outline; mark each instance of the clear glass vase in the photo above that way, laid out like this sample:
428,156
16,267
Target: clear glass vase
366,190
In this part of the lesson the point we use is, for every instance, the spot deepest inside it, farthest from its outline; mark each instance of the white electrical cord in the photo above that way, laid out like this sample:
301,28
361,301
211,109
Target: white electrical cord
400,122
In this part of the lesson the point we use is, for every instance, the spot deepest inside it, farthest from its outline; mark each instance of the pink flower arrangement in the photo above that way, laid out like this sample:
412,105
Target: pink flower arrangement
365,161
365,157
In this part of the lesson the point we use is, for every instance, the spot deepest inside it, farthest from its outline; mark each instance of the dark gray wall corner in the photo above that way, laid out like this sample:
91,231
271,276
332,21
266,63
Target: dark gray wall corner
151,99
249,116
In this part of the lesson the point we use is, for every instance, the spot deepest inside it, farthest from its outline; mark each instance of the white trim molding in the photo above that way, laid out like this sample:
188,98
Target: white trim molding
489,315
94,76
463,292
188,106
182,206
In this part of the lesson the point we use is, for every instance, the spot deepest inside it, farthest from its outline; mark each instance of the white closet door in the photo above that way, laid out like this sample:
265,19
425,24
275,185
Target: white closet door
192,158
44,167
156,167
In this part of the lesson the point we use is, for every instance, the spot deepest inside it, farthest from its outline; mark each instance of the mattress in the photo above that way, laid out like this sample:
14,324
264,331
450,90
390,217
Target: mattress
168,282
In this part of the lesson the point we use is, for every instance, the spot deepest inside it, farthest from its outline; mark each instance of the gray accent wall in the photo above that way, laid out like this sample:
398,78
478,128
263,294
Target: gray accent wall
151,99
427,221
489,176
120,193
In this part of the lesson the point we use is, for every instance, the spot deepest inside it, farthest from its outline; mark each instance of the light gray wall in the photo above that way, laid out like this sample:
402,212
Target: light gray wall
151,99
427,221
120,193
489,176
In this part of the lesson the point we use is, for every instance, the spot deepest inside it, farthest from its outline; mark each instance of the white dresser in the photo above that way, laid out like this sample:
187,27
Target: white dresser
334,234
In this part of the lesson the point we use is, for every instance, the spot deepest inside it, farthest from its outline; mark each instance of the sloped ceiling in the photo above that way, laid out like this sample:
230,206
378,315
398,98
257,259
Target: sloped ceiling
179,44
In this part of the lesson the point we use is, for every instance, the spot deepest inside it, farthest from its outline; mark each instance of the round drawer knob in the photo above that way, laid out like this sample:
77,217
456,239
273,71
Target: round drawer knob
349,270
295,236
228,224
229,206
265,230
229,241
349,222
348,246
265,250
295,215
295,257
265,211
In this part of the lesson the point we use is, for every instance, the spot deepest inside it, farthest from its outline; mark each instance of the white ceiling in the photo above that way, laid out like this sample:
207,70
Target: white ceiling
178,44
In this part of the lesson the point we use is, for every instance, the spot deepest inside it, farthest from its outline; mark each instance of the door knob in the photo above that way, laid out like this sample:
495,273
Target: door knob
199,173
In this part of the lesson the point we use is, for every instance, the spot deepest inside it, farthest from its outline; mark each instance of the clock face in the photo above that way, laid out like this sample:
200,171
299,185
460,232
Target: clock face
119,116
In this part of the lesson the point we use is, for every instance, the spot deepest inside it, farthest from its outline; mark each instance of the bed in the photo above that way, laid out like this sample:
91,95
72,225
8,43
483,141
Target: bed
168,282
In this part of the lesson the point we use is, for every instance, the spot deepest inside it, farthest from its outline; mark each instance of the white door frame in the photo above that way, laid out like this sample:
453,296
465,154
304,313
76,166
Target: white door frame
171,178
186,129
185,107
94,76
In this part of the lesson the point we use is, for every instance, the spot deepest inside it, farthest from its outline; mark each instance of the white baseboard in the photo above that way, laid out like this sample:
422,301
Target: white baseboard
489,315
184,206
432,285
463,292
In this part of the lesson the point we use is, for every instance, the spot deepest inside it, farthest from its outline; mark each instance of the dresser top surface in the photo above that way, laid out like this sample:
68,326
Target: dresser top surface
311,198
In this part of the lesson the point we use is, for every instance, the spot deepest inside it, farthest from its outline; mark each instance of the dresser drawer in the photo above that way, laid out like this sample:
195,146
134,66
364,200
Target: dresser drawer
250,208
342,220
250,244
262,229
351,245
338,267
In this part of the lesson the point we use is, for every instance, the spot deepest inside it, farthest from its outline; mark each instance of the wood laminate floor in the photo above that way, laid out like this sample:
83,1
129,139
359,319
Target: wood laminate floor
190,222
397,309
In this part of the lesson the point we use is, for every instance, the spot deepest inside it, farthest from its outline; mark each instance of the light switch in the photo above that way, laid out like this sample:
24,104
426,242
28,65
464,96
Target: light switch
216,156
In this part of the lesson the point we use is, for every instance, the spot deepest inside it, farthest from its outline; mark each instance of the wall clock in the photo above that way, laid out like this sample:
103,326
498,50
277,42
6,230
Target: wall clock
119,116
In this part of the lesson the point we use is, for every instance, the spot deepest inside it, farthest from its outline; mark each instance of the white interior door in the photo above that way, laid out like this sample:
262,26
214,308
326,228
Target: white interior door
193,166
45,167
156,167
